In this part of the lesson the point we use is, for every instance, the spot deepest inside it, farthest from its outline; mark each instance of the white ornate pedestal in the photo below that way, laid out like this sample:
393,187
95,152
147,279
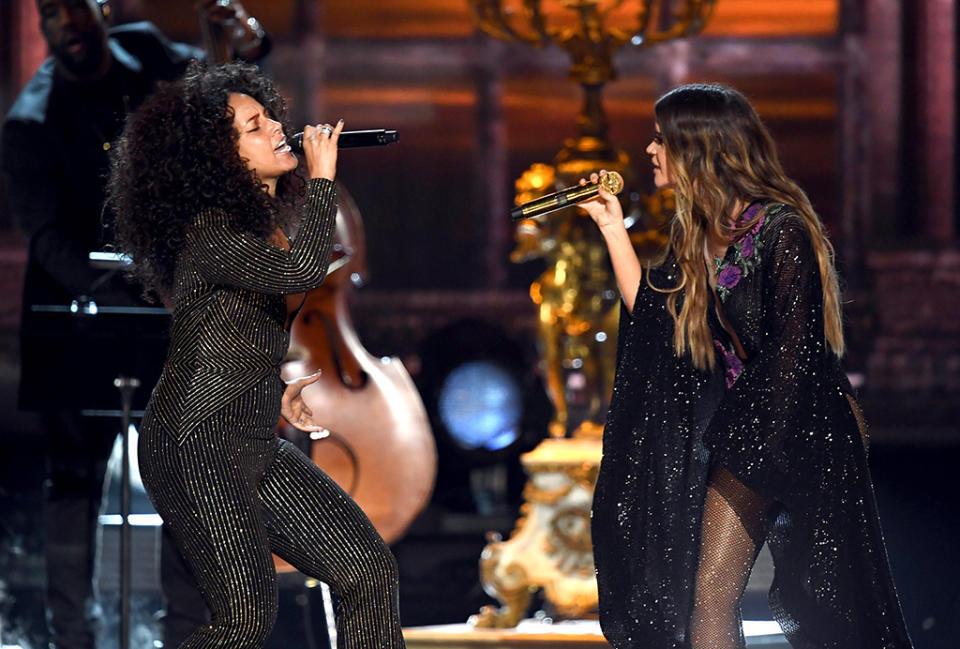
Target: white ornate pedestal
550,547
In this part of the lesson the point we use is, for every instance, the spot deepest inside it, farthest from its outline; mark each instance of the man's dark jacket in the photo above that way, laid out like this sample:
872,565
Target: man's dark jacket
55,165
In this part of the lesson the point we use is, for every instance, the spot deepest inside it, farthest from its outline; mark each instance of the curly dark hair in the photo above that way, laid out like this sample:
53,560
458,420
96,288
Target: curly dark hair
178,155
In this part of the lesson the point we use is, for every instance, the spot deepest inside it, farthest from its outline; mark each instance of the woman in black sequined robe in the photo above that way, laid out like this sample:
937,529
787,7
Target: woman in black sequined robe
204,187
731,422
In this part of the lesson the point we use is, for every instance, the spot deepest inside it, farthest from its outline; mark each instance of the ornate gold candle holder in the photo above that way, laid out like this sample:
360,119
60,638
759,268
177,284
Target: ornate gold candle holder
550,547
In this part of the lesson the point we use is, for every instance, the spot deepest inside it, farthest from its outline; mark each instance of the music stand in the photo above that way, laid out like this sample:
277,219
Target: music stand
125,349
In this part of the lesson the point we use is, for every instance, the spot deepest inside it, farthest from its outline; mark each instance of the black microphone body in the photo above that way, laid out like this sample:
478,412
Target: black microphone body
611,181
352,139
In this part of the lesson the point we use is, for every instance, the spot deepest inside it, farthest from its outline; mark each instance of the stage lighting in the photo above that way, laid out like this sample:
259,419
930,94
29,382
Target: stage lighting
481,405
486,406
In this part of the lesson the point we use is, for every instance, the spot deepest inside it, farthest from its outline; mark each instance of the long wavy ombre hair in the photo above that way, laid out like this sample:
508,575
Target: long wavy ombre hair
721,157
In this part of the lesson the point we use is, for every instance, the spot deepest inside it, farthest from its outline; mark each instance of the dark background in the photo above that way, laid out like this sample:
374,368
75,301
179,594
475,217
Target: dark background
860,96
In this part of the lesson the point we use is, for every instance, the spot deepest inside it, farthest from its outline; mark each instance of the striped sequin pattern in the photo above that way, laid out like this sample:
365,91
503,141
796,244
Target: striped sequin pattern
229,490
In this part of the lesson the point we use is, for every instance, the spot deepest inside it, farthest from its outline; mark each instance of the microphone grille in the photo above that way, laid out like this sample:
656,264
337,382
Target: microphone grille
612,182
296,142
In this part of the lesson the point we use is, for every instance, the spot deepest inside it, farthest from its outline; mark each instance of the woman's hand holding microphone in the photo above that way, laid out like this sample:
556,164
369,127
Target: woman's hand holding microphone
320,149
604,208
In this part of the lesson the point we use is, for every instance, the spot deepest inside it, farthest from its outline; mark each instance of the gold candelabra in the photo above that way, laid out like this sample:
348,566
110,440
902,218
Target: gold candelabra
577,307
591,42
550,548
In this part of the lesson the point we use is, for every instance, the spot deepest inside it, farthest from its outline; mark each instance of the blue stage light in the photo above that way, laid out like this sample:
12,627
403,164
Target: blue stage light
481,404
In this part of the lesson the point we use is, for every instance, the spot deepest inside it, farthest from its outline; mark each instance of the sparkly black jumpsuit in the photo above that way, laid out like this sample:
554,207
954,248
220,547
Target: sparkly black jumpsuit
784,429
229,489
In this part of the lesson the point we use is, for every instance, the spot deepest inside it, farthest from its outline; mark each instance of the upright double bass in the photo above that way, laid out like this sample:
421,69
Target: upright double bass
380,448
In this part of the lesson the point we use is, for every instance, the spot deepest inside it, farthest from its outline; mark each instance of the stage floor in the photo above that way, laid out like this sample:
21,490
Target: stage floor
536,634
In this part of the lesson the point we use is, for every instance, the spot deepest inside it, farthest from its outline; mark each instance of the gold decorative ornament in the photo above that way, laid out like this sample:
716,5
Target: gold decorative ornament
576,298
550,545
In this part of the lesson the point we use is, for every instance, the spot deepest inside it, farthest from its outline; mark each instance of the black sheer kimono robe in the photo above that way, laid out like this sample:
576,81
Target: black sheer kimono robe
782,421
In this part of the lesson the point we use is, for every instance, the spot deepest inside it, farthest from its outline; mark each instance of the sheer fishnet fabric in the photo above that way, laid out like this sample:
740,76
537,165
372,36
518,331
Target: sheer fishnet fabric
732,532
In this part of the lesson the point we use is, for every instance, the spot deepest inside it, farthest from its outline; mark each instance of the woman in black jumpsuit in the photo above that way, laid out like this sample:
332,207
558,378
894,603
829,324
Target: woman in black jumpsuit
205,191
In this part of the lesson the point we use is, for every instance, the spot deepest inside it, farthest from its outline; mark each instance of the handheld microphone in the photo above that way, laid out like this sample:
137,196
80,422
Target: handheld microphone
611,181
352,139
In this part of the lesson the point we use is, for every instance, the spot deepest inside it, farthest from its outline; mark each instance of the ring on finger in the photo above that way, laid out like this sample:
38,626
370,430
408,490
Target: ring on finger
326,129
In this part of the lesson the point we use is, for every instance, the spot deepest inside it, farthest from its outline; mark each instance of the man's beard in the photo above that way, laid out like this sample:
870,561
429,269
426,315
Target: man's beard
86,63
